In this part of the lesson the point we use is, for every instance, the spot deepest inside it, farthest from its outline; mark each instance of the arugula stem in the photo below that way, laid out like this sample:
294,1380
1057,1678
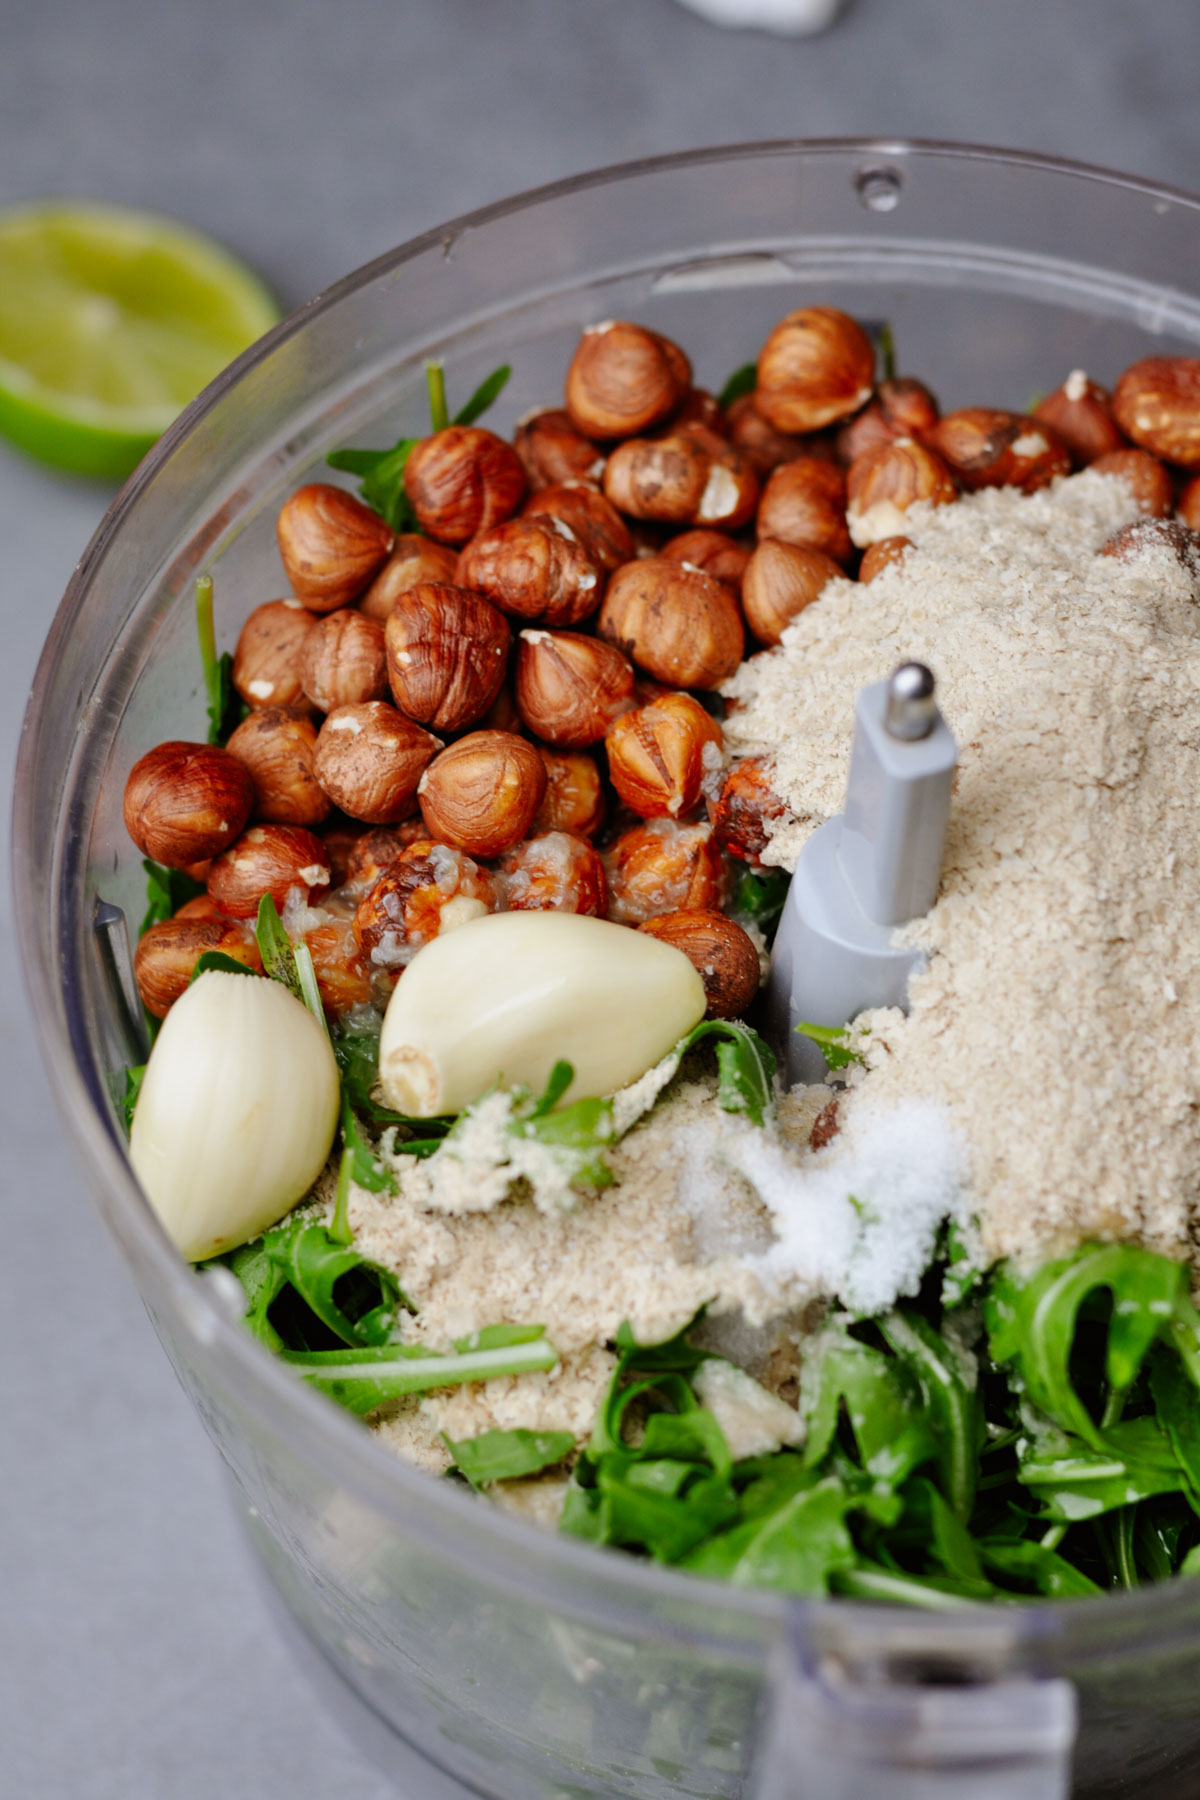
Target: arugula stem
339,1225
435,378
1053,1537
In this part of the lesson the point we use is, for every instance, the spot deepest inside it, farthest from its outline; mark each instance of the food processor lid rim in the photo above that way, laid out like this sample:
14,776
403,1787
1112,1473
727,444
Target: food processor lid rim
441,1515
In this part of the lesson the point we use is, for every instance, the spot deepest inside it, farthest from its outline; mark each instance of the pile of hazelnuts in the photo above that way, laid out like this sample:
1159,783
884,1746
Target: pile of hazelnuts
499,710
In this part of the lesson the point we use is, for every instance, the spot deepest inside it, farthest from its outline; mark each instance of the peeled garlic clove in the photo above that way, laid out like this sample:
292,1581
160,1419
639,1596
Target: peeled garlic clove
237,1112
506,997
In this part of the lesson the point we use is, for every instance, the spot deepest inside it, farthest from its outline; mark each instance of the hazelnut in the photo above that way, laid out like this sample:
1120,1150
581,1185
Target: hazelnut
343,980
570,688
827,1124
1144,476
804,502
186,802
331,545
447,651
780,581
623,379
1144,535
1080,411
369,760
902,408
269,658
713,552
535,567
554,873
721,951
202,906
502,714
552,450
594,520
883,483
663,867
1189,504
1157,403
989,448
676,623
461,480
482,793
343,661
168,952
878,555
414,561
340,843
657,756
745,809
817,366
681,479
766,447
429,889
268,859
574,798
377,849
699,407
277,747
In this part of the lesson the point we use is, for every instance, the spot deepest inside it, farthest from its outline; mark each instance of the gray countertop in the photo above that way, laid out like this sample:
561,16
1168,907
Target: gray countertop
137,1655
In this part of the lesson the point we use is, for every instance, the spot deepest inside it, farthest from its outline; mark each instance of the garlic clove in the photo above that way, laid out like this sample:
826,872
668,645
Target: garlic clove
237,1112
504,998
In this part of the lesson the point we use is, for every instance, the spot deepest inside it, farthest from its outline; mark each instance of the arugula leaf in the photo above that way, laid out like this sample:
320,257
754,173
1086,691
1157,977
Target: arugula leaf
217,959
363,1379
357,1051
382,485
508,1455
575,1135
166,891
485,395
834,1044
885,344
796,1547
950,1403
745,1066
743,381
226,709
962,1278
293,966
760,897
891,1430
331,1290
435,381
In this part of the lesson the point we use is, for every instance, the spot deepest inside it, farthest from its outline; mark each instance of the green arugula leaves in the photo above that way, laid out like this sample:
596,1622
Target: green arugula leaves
361,1380
508,1455
745,1066
759,899
833,1043
226,710
307,1292
166,891
743,381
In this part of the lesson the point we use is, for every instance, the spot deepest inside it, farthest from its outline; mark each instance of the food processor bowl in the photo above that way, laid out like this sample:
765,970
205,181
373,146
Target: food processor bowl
508,1661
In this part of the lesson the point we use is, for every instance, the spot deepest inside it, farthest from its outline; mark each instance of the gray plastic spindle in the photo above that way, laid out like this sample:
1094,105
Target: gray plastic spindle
872,868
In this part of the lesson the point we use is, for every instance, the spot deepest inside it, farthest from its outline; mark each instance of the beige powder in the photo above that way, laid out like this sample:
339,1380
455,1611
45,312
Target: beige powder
1059,1019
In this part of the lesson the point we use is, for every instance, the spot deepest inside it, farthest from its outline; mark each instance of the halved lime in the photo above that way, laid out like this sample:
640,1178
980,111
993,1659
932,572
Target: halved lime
110,322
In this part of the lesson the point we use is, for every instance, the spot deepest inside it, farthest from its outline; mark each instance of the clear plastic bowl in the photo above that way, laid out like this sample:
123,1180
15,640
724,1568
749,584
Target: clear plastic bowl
517,1663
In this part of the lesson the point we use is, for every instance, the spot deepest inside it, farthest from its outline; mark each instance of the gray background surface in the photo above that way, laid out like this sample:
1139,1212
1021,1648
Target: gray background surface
136,1656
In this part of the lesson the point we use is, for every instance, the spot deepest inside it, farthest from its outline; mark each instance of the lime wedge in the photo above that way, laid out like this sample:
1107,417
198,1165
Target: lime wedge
110,322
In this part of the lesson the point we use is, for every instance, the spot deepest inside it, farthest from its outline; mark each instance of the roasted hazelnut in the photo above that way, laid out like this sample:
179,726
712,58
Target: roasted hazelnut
414,561
268,859
623,379
878,555
331,545
901,408
502,714
168,952
570,688
269,659
343,662
1189,504
574,798
663,867
343,980
713,552
989,448
185,802
201,906
594,520
658,755
277,747
804,502
827,1124
766,447
378,848
1144,535
699,407
482,793
461,480
340,843
1144,476
552,450
447,651
780,581
882,484
682,479
721,951
1156,402
1080,411
554,873
745,809
676,623
429,889
817,366
369,760
534,567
